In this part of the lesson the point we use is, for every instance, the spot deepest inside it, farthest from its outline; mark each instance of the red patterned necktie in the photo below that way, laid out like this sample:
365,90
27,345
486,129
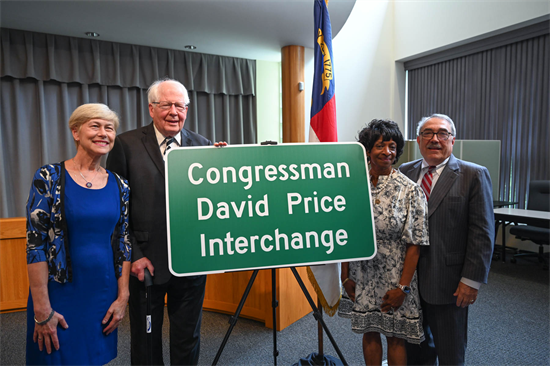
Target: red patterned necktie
427,182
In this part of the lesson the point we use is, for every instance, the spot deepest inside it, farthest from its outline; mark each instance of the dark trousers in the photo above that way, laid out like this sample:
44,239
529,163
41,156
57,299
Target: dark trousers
446,332
184,303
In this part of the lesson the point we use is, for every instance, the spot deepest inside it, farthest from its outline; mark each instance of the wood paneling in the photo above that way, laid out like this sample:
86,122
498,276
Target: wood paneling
224,292
14,283
293,304
292,73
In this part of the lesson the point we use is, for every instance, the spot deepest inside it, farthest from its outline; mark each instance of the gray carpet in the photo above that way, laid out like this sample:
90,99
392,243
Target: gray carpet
509,325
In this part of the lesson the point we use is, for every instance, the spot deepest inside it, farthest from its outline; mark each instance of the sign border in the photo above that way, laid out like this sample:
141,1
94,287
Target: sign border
270,266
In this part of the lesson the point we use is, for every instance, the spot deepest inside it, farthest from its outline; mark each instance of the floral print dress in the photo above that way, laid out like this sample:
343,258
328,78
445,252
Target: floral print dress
401,217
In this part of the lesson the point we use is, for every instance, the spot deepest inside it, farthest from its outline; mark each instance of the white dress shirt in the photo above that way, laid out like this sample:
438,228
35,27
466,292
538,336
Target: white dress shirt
161,140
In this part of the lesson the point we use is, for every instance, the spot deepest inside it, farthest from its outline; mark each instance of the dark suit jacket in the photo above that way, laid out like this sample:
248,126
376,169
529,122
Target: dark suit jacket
136,156
462,229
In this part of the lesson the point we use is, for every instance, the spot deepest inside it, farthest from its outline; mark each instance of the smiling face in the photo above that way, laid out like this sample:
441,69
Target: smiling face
169,122
95,137
435,151
382,155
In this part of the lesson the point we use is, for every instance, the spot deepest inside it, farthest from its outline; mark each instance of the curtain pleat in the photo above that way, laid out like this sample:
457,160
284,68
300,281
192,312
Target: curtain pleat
45,77
498,94
69,59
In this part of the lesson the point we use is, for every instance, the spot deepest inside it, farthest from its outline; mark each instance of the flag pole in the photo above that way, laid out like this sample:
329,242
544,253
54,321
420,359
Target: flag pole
325,278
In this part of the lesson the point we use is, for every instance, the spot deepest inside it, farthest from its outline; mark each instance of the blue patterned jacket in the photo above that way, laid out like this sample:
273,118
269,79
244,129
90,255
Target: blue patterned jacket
47,239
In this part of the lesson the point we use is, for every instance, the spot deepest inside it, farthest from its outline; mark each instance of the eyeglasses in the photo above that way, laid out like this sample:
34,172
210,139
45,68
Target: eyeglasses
441,135
168,105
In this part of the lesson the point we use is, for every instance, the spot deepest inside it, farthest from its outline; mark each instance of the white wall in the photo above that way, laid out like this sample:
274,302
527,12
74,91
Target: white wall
308,85
268,100
421,26
363,68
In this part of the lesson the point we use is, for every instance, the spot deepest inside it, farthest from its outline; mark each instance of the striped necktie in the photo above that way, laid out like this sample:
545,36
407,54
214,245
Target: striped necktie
168,141
427,182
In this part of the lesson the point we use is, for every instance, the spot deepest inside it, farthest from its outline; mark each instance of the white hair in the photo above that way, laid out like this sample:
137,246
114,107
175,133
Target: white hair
153,91
436,115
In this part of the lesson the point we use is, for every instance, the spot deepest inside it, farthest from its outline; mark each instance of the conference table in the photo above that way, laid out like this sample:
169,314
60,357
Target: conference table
499,204
506,215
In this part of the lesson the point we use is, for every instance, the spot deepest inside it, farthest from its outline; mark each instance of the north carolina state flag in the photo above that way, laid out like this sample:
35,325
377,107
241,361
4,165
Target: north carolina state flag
324,278
323,105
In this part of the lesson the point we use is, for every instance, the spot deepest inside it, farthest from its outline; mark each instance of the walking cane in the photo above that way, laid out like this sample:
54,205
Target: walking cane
148,283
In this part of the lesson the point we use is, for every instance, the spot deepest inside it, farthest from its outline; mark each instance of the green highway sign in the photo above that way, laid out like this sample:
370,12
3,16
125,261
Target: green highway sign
250,207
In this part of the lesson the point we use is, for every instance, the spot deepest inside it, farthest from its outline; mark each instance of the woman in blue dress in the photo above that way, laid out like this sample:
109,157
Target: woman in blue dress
78,250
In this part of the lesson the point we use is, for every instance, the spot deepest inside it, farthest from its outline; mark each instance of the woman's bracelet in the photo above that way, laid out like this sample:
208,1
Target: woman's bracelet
45,321
344,281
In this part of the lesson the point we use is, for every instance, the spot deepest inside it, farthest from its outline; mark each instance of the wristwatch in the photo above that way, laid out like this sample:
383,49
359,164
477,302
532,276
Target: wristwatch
405,289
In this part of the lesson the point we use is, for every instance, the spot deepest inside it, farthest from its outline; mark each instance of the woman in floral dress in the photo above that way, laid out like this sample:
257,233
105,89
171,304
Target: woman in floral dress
381,294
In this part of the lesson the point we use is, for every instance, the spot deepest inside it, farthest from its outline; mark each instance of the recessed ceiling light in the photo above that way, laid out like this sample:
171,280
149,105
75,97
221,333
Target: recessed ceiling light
92,34
190,47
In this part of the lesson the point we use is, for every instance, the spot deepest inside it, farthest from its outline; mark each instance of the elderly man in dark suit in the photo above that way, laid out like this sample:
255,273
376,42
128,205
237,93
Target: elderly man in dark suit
461,228
138,155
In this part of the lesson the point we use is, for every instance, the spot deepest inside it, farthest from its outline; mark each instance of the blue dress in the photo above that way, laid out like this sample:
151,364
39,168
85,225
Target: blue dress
91,215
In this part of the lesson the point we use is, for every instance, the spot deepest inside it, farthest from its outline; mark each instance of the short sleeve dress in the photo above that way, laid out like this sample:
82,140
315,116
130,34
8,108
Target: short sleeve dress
91,218
401,217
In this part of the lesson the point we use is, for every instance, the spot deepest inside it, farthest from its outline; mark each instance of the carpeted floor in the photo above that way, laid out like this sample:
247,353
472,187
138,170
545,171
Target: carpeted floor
509,325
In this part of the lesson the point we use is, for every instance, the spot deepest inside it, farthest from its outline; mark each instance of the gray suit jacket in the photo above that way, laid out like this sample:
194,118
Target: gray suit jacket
461,227
136,156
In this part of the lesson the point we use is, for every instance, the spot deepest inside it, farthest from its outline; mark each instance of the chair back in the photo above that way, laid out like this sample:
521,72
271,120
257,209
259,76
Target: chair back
539,195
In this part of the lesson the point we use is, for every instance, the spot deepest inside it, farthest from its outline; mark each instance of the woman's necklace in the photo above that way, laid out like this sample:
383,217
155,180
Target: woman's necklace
88,183
374,177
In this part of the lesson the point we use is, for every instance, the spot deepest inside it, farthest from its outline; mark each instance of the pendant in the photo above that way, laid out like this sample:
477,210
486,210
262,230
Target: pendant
89,184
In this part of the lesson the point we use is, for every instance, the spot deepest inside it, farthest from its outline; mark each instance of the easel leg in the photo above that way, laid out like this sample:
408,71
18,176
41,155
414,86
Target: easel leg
316,314
274,304
234,318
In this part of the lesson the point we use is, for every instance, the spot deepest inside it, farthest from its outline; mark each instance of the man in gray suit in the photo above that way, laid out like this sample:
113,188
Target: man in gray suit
461,228
138,156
